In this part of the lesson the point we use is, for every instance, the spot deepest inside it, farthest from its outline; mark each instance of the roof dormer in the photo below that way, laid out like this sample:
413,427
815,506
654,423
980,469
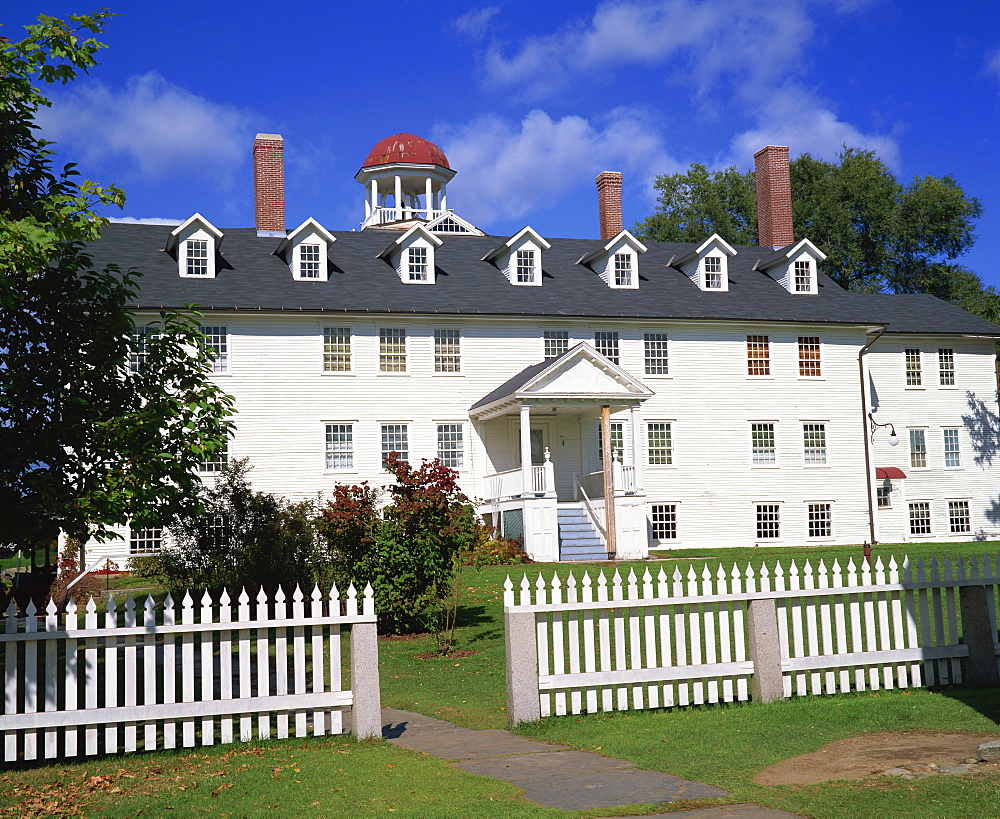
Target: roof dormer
617,261
195,244
412,254
520,257
306,251
708,264
795,267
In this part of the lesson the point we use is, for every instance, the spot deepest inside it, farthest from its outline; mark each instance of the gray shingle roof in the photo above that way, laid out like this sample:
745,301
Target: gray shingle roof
250,277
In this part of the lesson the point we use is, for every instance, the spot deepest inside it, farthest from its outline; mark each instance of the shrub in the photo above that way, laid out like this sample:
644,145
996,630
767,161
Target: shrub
492,550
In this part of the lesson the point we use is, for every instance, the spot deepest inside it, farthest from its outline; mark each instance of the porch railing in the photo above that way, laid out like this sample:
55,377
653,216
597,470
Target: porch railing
591,485
538,480
505,484
383,216
596,515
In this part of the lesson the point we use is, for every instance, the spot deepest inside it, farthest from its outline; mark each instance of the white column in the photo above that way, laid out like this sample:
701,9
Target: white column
429,198
637,447
399,197
444,197
374,202
525,450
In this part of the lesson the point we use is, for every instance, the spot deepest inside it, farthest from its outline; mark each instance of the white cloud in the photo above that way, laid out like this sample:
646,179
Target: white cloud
145,220
475,24
993,62
511,169
157,127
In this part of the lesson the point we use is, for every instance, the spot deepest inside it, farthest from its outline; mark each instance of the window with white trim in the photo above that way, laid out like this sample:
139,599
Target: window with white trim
392,349
883,496
339,447
660,447
214,531
803,276
525,267
617,440
217,341
959,521
758,355
762,444
952,455
309,259
809,352
820,519
606,343
217,464
395,438
337,349
447,351
145,541
555,343
450,445
623,269
814,444
920,518
139,352
196,257
912,359
768,521
918,448
416,264
655,353
946,367
713,272
664,519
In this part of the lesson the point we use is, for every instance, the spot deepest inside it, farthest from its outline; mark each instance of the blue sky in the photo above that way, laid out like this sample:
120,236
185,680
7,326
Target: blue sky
529,100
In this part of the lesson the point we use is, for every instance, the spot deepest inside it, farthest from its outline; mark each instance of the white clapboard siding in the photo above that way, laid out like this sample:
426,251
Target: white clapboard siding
216,674
651,642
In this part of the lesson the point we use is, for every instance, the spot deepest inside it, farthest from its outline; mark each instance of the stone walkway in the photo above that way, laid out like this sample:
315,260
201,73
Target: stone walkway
554,775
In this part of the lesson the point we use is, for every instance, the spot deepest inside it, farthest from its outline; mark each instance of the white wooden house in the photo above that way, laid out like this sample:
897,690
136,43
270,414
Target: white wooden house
750,400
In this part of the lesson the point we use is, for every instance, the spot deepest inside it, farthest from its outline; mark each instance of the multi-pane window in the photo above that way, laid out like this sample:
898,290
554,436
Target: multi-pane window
450,446
918,448
217,340
416,264
946,367
308,261
447,351
145,541
883,495
197,257
141,336
660,443
952,456
337,349
912,358
525,260
820,519
958,517
803,276
217,464
920,518
617,439
762,444
623,270
606,343
339,447
655,349
395,438
809,363
556,343
392,349
664,517
814,444
758,355
768,521
713,272
214,531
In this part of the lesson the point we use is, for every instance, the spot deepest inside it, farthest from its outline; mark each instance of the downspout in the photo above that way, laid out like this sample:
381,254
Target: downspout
864,427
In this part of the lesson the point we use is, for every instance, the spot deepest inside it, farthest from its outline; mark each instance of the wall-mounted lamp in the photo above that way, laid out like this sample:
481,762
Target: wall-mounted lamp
875,425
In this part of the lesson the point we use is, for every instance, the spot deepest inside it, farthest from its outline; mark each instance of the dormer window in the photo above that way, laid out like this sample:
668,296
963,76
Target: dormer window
526,266
713,272
803,276
708,264
520,258
308,261
412,255
617,261
306,251
794,267
416,264
195,245
623,270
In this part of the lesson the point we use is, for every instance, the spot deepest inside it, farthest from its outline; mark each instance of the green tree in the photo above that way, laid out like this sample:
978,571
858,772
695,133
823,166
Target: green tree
879,235
86,440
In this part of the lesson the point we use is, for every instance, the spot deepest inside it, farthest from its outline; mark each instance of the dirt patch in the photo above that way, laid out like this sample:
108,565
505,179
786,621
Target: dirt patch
431,655
869,754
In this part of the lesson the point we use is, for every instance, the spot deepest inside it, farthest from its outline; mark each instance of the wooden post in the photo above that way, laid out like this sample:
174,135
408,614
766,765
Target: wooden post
609,482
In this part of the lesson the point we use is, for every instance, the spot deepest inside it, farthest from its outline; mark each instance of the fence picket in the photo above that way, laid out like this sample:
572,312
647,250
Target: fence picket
131,674
263,665
573,634
169,671
206,668
281,652
91,682
245,648
318,681
225,665
336,716
589,646
31,679
558,649
51,702
299,658
149,675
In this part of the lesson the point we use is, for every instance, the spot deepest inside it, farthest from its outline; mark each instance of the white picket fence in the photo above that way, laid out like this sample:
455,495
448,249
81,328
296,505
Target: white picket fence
580,645
188,675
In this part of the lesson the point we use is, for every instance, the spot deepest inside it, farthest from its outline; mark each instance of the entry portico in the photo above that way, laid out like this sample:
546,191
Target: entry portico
540,431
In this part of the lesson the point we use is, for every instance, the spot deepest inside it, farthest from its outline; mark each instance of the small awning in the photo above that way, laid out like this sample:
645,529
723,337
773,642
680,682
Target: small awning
883,472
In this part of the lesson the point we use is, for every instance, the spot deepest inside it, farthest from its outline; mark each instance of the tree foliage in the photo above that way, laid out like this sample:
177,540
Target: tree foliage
408,550
879,235
85,441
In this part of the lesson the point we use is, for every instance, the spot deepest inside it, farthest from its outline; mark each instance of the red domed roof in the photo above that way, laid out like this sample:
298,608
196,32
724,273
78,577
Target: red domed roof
406,148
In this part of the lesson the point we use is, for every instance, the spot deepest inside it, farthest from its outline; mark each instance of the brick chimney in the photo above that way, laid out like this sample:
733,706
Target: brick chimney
774,197
269,183
609,203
